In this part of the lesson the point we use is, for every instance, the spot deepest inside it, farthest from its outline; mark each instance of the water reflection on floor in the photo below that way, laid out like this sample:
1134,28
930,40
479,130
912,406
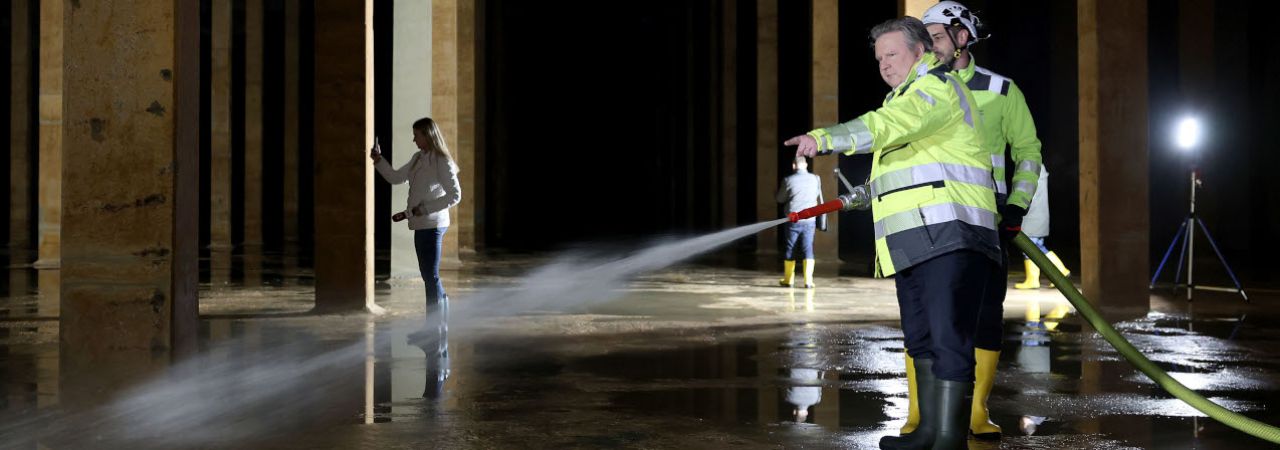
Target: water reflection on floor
694,358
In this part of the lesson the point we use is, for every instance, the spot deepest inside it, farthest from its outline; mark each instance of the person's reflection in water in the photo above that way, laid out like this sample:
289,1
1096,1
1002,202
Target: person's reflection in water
805,396
1033,354
801,359
435,346
1028,424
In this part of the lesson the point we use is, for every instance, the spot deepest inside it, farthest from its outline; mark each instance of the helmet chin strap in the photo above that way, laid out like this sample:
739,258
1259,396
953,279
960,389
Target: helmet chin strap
955,56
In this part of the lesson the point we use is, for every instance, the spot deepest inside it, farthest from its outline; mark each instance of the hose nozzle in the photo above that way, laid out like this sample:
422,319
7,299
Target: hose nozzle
859,198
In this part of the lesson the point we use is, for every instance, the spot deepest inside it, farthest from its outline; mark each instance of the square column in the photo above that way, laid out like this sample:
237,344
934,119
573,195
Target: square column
826,111
49,250
1114,217
767,142
343,171
131,197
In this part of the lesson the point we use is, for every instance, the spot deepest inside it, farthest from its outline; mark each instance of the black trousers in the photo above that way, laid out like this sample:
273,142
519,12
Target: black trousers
940,301
991,318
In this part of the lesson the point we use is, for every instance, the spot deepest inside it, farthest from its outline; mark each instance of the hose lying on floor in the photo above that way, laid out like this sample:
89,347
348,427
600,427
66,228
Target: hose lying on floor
1162,379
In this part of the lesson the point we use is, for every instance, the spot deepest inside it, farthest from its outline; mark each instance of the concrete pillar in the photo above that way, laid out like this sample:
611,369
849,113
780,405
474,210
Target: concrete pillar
220,116
251,247
767,142
50,159
292,15
411,81
20,138
469,152
445,98
826,111
343,173
1114,220
914,8
453,106
129,269
253,34
729,114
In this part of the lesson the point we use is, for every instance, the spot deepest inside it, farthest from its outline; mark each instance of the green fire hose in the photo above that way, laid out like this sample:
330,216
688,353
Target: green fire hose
1162,379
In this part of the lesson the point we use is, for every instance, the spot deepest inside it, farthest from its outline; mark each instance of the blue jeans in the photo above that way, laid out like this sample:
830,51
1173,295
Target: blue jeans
1039,241
427,242
799,234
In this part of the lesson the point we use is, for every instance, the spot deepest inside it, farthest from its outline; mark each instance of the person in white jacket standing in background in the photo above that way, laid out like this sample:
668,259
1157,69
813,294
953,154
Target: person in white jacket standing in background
433,189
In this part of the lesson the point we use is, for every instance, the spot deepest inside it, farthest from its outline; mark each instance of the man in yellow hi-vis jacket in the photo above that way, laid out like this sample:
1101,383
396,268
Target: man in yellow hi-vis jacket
1006,121
935,218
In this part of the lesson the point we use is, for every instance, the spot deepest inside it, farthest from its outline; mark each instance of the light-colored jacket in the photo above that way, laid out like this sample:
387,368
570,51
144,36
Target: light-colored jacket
800,190
433,187
1036,222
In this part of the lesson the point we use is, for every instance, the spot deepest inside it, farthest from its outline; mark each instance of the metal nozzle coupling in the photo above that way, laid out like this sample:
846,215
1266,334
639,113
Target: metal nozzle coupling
859,197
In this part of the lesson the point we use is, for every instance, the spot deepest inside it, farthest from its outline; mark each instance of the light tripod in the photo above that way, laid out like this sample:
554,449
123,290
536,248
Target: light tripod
1188,250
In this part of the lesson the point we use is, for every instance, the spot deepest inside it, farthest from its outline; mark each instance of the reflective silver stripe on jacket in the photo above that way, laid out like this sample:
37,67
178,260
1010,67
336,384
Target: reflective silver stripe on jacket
929,173
837,142
997,161
853,134
1029,166
861,136
1027,187
926,97
997,165
964,101
932,215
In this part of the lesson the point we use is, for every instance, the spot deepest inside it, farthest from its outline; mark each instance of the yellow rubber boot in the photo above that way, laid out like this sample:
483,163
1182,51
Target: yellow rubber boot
985,374
1053,257
1033,276
788,273
808,273
913,408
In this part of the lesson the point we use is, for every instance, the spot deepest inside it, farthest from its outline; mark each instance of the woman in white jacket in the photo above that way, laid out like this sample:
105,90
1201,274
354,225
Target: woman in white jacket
433,189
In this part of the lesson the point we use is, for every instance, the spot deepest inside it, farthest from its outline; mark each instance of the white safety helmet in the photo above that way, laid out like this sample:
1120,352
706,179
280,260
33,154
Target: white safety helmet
951,13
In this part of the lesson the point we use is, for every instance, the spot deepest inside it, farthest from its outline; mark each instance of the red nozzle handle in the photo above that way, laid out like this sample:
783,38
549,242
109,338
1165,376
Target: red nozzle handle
831,206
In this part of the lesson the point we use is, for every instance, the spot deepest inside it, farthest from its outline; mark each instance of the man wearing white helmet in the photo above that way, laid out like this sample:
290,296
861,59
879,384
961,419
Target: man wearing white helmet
1005,121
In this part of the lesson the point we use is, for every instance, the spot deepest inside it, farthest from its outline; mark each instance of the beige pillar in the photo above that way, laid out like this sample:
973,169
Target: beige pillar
914,8
129,270
729,114
453,106
343,174
50,195
19,130
470,154
1113,154
767,142
220,130
292,15
826,111
411,81
253,34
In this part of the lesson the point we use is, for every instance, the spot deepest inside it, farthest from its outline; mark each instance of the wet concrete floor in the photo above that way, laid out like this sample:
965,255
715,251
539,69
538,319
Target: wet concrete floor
693,357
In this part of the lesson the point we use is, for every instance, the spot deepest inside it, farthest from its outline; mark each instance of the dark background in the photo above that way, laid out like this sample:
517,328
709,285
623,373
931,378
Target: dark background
602,119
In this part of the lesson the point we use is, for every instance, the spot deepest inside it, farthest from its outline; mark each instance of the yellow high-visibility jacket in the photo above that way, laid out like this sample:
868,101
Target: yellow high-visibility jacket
931,181
1006,121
